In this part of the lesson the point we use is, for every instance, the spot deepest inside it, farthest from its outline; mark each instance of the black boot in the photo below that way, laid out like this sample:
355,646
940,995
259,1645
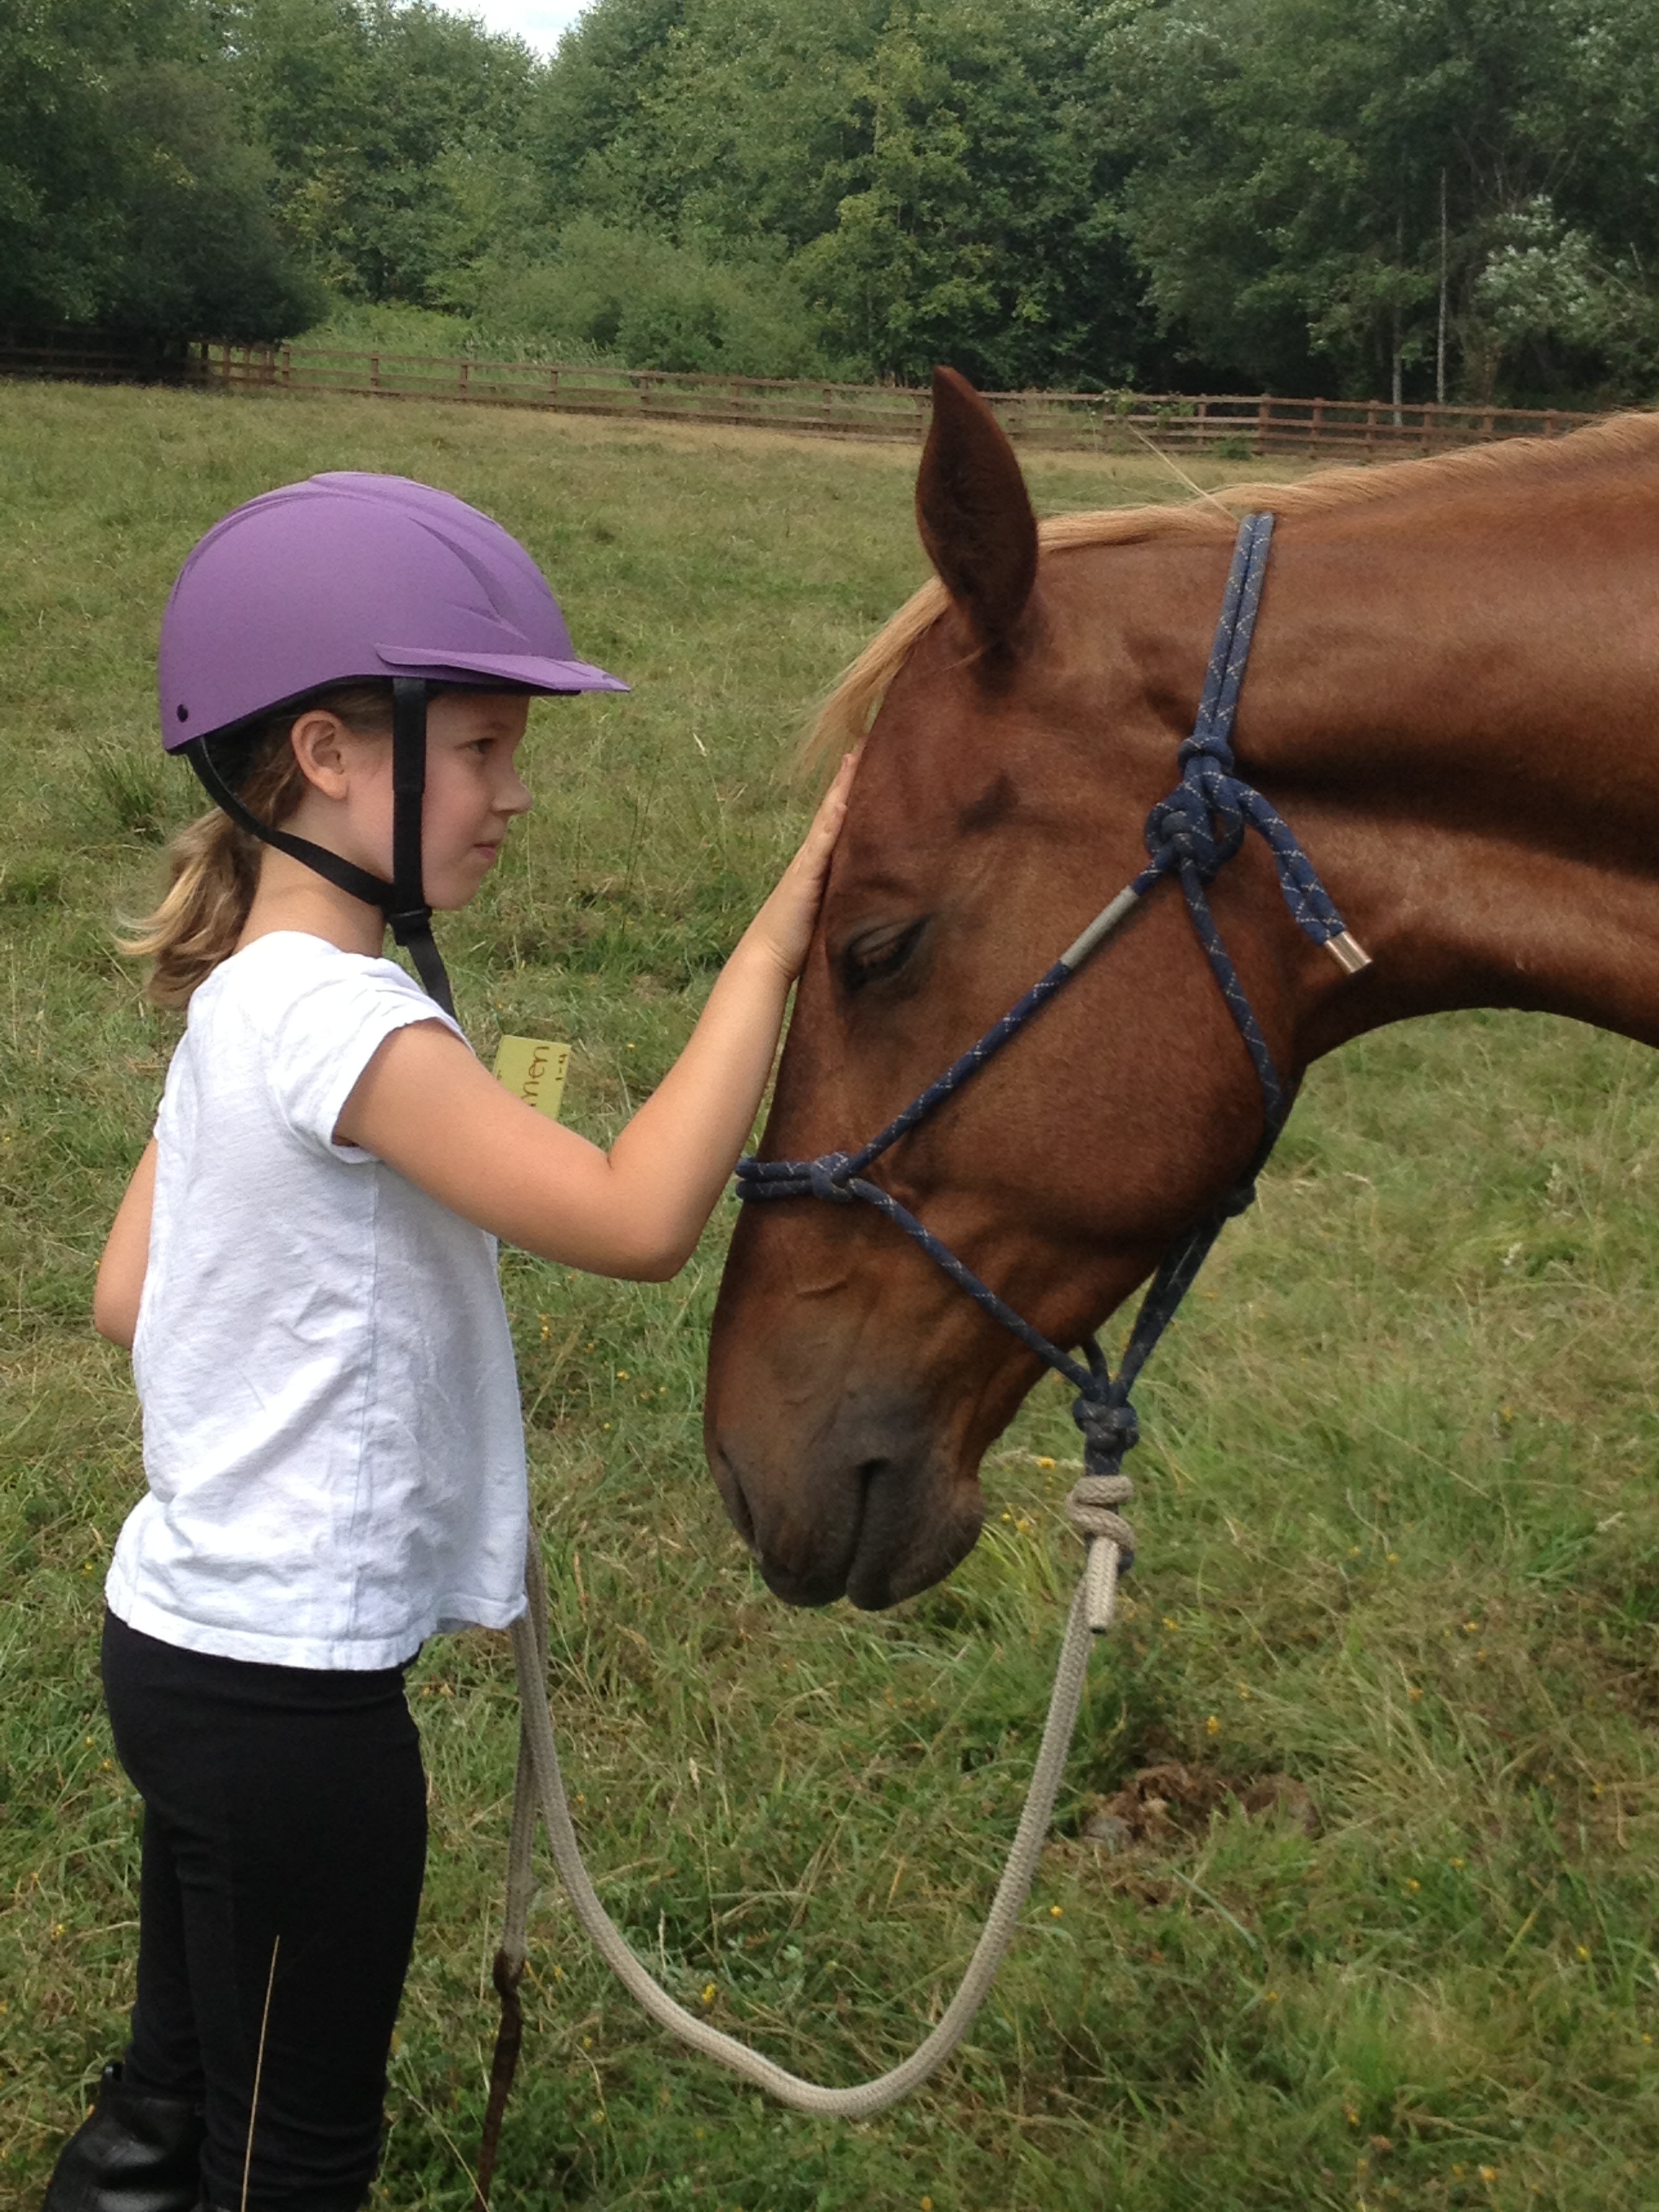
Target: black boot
131,2153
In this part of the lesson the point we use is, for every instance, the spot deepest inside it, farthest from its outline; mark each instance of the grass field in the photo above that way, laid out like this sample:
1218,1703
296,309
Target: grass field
1380,1932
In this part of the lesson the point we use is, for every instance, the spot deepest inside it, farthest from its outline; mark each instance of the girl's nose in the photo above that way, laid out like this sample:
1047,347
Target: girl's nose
513,796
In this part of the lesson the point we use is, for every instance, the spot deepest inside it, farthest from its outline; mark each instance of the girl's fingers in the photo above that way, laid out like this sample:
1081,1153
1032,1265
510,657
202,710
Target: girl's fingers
832,807
786,920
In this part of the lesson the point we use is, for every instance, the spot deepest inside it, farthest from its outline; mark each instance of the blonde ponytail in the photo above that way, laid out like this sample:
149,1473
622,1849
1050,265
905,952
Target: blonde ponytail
214,864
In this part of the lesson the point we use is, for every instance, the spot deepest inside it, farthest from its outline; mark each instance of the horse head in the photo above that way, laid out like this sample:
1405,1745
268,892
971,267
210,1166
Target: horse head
1031,704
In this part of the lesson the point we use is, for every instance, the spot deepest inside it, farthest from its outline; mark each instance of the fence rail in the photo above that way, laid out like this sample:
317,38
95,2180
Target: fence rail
1227,426
94,356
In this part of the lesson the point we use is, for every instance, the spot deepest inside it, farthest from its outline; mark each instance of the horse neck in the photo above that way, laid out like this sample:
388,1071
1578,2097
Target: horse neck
1454,701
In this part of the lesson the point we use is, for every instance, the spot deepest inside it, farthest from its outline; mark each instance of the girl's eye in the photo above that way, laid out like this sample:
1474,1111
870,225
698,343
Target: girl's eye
879,952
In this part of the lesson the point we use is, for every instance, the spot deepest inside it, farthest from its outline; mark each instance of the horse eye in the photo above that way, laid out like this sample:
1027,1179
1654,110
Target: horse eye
879,952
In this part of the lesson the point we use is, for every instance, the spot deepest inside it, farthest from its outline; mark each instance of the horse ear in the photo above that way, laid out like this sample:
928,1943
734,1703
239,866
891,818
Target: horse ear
975,515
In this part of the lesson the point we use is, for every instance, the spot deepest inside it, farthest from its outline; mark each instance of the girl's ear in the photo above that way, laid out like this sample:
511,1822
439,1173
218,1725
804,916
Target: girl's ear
319,741
974,515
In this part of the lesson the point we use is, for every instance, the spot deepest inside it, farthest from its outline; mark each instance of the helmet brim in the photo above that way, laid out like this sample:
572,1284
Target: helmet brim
524,672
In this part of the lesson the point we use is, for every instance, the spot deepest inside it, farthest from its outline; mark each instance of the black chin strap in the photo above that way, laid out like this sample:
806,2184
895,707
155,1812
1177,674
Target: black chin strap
402,901
407,912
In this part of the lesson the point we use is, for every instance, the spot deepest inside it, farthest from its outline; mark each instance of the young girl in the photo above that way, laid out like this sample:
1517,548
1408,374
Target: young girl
304,1267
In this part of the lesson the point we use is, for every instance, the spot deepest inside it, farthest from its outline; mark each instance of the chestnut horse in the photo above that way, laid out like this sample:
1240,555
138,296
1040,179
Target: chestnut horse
1453,699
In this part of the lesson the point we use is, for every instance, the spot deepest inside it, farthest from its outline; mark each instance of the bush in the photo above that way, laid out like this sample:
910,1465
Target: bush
637,298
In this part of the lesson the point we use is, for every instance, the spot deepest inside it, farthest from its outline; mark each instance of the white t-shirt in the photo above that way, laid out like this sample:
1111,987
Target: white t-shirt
331,1426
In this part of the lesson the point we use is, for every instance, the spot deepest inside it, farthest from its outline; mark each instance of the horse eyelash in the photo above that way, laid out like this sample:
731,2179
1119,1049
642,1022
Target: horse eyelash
888,950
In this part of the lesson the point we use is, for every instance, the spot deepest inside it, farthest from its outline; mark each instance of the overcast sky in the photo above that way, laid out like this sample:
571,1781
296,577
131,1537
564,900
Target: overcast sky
538,22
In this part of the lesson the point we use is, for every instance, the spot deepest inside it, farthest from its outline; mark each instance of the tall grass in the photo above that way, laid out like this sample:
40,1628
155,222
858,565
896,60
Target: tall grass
1397,1589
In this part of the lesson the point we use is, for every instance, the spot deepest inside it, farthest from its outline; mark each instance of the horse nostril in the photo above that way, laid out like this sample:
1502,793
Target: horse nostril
737,1503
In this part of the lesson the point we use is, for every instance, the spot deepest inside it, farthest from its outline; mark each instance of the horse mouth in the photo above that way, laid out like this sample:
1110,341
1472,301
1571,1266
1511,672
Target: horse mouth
887,1529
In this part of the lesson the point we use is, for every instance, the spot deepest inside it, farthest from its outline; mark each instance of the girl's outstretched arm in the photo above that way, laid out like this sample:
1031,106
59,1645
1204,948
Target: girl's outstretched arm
426,1107
120,1282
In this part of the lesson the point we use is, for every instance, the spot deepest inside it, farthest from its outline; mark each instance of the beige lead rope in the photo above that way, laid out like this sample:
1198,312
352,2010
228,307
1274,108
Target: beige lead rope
1091,1508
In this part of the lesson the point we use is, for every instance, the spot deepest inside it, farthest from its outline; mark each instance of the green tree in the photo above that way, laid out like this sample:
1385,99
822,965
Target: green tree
129,195
377,116
1321,192
60,236
594,125
927,167
976,223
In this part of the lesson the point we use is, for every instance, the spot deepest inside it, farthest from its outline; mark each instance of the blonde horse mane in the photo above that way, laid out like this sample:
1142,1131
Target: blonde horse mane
846,715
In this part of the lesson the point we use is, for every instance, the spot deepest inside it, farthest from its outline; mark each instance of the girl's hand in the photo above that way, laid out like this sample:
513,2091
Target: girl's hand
425,1106
785,924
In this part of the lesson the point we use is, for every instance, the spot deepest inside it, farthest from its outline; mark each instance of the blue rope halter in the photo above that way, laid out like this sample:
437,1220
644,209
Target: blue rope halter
1191,835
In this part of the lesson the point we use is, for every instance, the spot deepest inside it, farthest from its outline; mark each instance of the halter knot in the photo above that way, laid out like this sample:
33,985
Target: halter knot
1109,1429
1201,824
828,1177
1091,1508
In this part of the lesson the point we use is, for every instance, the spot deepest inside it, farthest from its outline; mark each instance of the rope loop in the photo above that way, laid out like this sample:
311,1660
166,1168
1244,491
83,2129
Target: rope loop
1205,746
1090,1503
1090,1507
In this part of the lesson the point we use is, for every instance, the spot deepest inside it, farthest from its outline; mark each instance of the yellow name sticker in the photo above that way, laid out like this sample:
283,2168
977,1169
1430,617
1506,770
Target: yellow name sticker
533,1070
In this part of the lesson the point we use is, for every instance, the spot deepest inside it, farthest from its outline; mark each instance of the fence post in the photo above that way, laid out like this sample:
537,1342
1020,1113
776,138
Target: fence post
1549,423
463,382
1316,423
553,384
1263,422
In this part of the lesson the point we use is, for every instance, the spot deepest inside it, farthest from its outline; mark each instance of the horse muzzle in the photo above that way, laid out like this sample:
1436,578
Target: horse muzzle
865,1504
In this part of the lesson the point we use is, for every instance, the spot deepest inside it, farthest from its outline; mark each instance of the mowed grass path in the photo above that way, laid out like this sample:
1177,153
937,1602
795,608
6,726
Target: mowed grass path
1398,1510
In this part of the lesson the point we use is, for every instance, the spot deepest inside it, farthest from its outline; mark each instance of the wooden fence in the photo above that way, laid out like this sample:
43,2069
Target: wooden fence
1226,426
88,356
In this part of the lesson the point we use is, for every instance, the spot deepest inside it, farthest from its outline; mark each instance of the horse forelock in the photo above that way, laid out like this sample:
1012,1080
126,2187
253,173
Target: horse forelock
844,718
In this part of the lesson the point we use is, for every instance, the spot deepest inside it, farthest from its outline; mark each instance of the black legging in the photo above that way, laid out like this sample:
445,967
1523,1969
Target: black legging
284,1843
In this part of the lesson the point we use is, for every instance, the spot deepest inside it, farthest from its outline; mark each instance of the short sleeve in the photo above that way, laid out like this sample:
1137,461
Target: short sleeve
333,1017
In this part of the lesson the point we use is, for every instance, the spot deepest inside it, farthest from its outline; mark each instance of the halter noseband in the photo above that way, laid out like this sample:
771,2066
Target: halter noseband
1190,835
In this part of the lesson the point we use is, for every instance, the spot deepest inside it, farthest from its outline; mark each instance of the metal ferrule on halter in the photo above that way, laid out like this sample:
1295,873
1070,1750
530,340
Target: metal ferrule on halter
1191,835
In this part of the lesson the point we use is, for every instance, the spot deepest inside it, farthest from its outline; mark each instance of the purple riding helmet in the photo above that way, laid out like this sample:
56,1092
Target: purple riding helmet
340,578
